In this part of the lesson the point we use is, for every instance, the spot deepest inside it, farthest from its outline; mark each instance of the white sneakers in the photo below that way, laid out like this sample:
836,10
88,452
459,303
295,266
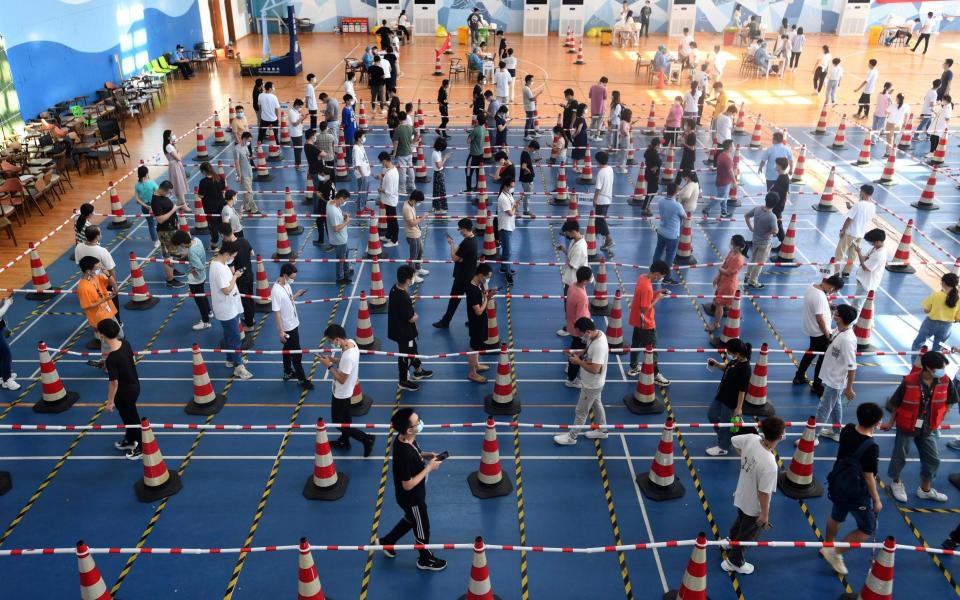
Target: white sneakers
899,492
11,383
596,434
933,494
728,566
830,434
567,439
417,279
423,272
717,451
563,332
388,244
660,380
201,326
572,384
241,372
834,560
564,439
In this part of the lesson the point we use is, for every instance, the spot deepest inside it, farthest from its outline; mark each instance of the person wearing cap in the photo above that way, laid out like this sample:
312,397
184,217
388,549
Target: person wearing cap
592,364
838,372
815,323
854,227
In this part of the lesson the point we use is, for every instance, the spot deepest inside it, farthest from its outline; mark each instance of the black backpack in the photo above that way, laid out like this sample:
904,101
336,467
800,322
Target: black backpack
846,483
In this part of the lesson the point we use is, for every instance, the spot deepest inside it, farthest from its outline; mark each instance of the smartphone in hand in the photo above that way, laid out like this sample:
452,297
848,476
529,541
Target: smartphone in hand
443,456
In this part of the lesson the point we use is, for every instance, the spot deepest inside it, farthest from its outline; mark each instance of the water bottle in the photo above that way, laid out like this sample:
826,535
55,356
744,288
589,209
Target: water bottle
735,422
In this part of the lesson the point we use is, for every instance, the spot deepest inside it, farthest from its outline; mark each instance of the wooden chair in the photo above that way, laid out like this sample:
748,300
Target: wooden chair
39,189
352,65
8,226
14,195
456,69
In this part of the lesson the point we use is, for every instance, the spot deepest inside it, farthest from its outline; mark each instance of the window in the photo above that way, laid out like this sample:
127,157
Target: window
133,44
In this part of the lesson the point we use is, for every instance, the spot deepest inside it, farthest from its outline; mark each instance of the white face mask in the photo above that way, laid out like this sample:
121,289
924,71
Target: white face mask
229,262
239,114
324,177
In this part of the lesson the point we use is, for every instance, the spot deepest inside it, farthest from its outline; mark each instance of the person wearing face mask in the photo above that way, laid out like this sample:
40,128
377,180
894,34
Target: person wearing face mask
325,188
728,401
239,123
345,375
506,225
284,308
227,308
410,483
942,310
349,121
917,408
478,298
939,121
871,265
592,363
838,372
242,156
96,300
577,306
361,172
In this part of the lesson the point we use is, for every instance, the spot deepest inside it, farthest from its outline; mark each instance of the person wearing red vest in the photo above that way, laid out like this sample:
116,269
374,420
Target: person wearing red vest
918,408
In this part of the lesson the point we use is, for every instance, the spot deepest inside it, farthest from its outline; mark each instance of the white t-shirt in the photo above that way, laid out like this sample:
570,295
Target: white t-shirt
391,187
98,252
758,473
690,100
360,161
436,157
311,97
929,102
230,215
928,25
719,62
604,185
576,258
825,61
269,105
724,128
841,357
598,353
349,364
836,73
506,222
511,62
349,89
294,122
875,261
872,76
897,114
225,306
861,215
501,81
385,65
814,303
281,301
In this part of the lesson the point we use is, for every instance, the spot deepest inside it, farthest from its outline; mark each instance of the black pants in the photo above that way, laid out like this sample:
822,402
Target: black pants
794,60
863,105
955,534
600,212
474,164
297,142
744,529
393,228
245,286
293,362
313,119
262,133
459,288
934,142
575,344
185,68
403,363
444,116
320,208
213,224
819,76
641,339
925,38
203,303
781,234
340,413
126,403
644,29
414,518
817,344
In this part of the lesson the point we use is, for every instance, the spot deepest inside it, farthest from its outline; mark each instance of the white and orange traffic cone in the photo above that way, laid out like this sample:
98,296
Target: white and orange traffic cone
826,198
437,67
38,276
667,172
821,122
273,148
740,125
479,587
489,481
374,247
591,237
201,145
586,173
651,126
906,137
489,239
505,400
206,400
755,401
360,401
902,255
284,130
262,170
864,325
200,224
420,168
640,189
693,586
378,300
570,42
284,251
840,139
92,586
928,196
615,323
579,60
262,302
865,151
219,137
54,397
684,254
940,154
308,582
644,400
799,167
493,331
889,170
731,324
797,481
325,483
365,338
661,483
340,170
600,301
118,219
158,481
755,140
560,193
362,116
572,213
290,221
879,583
487,148
788,248
140,297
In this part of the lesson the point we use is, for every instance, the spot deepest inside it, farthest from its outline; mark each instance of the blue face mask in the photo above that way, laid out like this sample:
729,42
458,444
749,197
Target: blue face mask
938,373
419,426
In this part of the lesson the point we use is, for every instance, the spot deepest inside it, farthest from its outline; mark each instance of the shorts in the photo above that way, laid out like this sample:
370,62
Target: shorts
862,515
167,247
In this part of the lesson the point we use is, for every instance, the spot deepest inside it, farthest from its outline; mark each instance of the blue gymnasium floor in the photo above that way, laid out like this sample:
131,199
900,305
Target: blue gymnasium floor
70,486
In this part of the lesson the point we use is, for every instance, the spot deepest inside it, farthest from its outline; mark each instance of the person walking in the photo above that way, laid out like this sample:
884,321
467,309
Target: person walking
868,85
464,257
229,213
815,323
402,329
345,374
763,223
672,215
939,122
942,310
389,197
871,265
728,401
143,191
284,307
603,198
478,297
834,75
643,319
123,388
91,247
576,306
780,187
755,487
859,218
838,372
927,106
598,101
310,93
376,78
410,484
227,307
925,31
191,248
592,364
726,282
823,68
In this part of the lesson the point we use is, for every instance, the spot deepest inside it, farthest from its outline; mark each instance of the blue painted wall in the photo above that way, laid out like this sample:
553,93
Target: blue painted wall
59,49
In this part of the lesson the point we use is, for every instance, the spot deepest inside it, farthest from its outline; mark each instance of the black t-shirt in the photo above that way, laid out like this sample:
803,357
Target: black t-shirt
508,171
399,313
569,114
211,192
442,95
243,261
161,205
467,251
407,464
121,367
688,157
312,153
850,440
526,176
384,34
392,59
477,324
735,379
782,187
375,75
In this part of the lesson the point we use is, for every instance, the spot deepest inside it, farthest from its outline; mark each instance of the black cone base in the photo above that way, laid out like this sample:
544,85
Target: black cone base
209,408
152,494
709,308
358,409
865,348
643,408
141,305
600,311
261,308
685,260
954,479
827,208
422,179
124,224
290,256
37,296
716,342
905,269
787,263
925,206
201,231
674,595
295,230
659,493
798,492
484,491
374,345
59,406
334,492
276,158
377,309
267,177
886,182
558,202
464,597
5,482
501,408
759,410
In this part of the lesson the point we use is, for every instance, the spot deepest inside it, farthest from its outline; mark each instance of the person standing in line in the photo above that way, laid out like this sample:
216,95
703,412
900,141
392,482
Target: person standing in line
852,484
833,81
822,70
165,212
410,483
269,113
464,257
768,164
726,282
581,140
672,215
925,30
123,388
389,197
361,172
529,107
478,298
475,158
192,249
500,123
243,164
643,318
603,198
939,122
868,85
688,151
796,48
720,103
651,174
444,105
755,487
239,123
781,187
896,117
724,181
284,307
511,62
345,375
838,372
576,306
257,90
321,176
326,143
402,329
8,379
598,101
871,265
211,189
96,301
311,96
501,83
506,225
349,120
143,191
691,105
348,86
613,123
918,407
439,160
882,110
728,401
527,175
645,13
815,323
176,171
576,257
92,247
946,78
331,114
942,310
295,125
376,77
762,223
337,223
227,307
404,142
854,226
927,106
411,231
592,364
244,262
625,139
229,213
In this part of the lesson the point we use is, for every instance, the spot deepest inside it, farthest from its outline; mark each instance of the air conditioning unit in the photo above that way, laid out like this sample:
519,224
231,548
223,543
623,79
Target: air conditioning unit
425,13
683,13
424,26
854,18
572,17
574,25
536,18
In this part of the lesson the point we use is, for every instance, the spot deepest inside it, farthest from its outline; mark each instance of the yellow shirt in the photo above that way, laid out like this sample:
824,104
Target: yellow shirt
936,306
721,104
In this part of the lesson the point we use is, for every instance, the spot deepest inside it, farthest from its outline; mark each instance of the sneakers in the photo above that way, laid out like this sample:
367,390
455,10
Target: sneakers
596,434
954,444
417,279
422,374
565,439
572,384
898,491
949,544
201,326
717,451
755,285
423,272
799,380
388,244
830,434
125,444
431,564
660,380
834,560
933,494
306,384
563,332
387,553
229,363
409,386
744,569
10,384
633,372
134,453
241,372
441,325
287,376
173,284
368,445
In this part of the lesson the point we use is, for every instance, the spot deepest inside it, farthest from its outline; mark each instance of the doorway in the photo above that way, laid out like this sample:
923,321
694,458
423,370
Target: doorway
216,23
231,32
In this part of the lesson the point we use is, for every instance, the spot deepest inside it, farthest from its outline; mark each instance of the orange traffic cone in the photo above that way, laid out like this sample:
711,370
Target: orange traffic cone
420,169
694,583
684,254
644,400
273,148
731,324
879,583
928,196
200,224
667,172
324,483
906,138
864,325
639,190
755,140
340,170
798,481
505,399
308,582
262,302
92,586
651,126
489,481
821,122
902,255
586,174
579,60
939,155
788,248
38,275
284,251
489,240
560,194
591,237
740,126
262,170
365,338
55,398
157,482
140,297
800,166
201,145
615,323
118,220
599,302
290,215
479,587
661,483
826,198
437,67
840,139
572,214
493,331
219,138
206,400
570,42
362,116
889,170
755,401
360,402
487,147
374,248
378,300
864,157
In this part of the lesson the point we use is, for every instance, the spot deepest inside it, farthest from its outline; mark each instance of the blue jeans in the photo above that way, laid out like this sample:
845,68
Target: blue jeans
231,339
830,409
505,248
151,223
938,330
926,446
723,192
832,90
666,249
6,359
363,187
924,123
878,123
340,253
721,413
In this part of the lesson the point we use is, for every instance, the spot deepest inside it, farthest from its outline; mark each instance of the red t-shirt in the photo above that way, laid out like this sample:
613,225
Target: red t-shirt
578,305
643,298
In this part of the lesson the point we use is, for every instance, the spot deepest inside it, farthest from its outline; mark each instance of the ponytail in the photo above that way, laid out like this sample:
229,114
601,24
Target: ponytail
738,346
951,281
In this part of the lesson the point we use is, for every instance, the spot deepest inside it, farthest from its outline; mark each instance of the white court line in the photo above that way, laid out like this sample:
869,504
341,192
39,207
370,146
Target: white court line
311,458
643,512
392,379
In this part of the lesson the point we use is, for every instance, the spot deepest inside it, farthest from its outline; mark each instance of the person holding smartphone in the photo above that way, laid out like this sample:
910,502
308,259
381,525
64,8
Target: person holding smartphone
479,298
464,259
283,305
226,305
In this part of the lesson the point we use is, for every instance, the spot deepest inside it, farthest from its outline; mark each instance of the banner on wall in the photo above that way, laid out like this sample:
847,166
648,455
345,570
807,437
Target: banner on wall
906,1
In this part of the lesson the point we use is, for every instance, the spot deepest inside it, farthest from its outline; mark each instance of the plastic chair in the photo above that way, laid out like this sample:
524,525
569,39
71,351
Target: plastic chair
157,68
162,60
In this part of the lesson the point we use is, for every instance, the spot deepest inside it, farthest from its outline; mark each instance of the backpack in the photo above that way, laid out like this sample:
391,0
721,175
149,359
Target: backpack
846,483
